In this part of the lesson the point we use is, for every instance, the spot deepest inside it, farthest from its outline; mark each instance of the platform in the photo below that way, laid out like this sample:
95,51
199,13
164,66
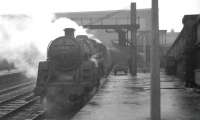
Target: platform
128,98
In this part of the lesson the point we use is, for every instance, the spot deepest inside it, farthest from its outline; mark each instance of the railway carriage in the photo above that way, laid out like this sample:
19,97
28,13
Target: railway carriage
183,56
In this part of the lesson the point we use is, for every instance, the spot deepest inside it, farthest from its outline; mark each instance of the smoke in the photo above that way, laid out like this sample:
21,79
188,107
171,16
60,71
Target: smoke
24,38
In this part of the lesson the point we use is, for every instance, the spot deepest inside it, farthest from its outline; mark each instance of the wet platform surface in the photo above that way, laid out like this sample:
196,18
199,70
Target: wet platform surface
128,98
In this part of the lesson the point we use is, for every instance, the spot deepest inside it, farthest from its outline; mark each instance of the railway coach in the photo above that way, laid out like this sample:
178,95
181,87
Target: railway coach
183,58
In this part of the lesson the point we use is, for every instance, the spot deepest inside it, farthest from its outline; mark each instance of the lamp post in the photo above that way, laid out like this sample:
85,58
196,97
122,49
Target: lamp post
155,64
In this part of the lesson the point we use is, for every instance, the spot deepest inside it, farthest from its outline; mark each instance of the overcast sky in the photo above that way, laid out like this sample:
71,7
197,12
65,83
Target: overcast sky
171,11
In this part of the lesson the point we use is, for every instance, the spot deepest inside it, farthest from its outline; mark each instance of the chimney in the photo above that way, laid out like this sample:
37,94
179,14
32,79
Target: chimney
69,32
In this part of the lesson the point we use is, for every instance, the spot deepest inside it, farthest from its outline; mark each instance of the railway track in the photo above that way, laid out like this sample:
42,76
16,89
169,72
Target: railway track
19,103
21,108
14,91
10,89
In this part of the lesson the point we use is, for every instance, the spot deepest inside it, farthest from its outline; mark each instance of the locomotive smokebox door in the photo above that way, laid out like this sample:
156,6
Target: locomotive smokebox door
65,51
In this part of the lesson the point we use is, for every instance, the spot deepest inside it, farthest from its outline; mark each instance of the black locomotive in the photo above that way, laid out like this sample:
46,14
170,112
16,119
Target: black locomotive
72,72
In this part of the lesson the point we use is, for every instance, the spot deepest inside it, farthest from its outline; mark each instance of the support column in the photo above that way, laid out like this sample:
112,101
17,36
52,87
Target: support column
155,64
145,50
133,50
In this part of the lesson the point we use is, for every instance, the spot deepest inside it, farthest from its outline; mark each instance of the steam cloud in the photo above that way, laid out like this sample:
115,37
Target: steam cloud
24,38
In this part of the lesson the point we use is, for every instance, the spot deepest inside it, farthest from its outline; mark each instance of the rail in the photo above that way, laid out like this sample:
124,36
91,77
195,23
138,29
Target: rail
4,91
23,105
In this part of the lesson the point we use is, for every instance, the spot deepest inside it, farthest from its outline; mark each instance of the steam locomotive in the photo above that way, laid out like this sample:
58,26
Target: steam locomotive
72,72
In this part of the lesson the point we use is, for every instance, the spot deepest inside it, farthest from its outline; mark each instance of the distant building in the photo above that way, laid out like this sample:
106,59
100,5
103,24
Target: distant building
171,37
109,17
